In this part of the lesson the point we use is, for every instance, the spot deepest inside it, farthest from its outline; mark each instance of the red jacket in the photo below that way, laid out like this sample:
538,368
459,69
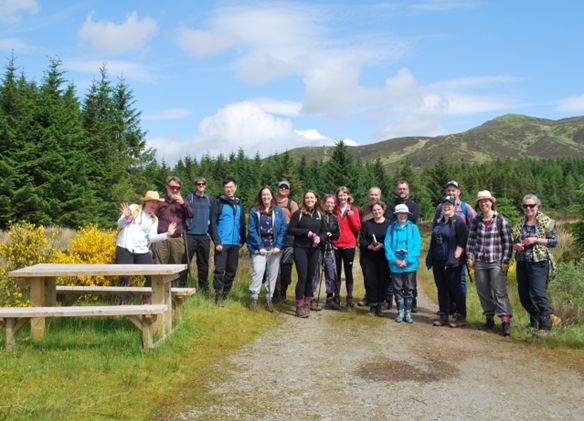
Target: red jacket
349,226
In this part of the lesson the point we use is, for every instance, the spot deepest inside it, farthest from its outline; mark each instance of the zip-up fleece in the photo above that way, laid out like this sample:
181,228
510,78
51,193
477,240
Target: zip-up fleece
254,240
227,221
403,238
349,226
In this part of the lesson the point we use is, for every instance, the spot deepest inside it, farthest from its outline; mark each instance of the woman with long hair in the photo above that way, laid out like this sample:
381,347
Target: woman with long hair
139,228
532,238
265,239
349,225
309,231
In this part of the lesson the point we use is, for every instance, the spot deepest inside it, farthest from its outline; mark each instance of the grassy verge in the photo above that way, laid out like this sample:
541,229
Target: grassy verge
95,368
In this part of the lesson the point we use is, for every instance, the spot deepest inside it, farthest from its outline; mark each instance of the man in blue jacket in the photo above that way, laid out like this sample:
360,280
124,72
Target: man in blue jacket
198,241
227,231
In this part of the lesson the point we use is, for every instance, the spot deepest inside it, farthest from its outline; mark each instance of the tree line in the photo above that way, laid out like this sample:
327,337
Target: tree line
69,161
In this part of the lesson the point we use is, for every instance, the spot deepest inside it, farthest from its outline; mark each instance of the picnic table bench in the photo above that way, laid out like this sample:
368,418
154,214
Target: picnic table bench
178,294
15,317
43,291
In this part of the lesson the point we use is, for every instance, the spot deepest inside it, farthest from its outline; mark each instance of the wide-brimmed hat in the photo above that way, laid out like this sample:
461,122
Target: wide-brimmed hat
401,208
485,194
448,199
152,196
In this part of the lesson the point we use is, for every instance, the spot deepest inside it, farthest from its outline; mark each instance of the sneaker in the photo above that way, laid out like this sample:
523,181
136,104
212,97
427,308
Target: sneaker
269,306
362,303
460,321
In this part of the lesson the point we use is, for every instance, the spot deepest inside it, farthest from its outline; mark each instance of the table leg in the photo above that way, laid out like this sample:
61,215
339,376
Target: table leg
161,295
37,299
51,292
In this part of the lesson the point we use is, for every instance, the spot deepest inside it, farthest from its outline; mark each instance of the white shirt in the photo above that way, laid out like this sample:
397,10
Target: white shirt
142,230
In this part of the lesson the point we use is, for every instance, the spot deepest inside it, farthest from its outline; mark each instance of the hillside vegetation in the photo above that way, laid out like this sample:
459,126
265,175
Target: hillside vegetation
508,136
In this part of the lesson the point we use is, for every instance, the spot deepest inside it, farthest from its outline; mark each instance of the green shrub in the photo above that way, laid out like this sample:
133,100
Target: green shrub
567,292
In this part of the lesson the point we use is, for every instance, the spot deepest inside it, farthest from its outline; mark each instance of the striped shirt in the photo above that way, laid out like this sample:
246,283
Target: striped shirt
486,244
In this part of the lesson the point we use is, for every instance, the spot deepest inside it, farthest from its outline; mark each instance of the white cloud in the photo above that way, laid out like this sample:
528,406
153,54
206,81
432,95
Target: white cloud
115,39
11,9
16,44
239,125
573,104
118,68
203,43
170,114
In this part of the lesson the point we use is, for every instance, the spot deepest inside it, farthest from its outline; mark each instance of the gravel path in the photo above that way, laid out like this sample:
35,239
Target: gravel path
336,366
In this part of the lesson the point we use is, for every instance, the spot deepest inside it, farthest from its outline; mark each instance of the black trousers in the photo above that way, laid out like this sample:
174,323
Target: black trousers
225,268
306,260
376,275
344,257
126,257
199,247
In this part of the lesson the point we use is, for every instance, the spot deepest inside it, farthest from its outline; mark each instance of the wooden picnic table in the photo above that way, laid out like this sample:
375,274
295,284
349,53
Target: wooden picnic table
43,287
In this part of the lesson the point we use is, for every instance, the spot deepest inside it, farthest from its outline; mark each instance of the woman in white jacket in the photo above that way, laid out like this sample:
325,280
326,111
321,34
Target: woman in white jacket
139,229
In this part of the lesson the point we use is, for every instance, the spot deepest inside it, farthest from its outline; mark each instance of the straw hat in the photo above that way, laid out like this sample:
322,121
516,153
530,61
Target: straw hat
152,196
485,194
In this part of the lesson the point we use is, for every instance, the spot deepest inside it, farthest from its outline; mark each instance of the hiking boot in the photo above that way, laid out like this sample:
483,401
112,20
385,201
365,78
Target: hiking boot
442,321
372,309
314,306
379,310
301,311
362,303
408,307
506,328
269,306
350,302
489,324
331,304
543,333
253,304
533,323
414,305
219,300
460,321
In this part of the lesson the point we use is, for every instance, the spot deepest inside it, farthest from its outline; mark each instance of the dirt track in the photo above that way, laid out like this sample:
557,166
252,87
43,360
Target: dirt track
336,366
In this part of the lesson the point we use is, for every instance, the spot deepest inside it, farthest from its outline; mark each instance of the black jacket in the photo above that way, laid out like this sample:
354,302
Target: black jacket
301,223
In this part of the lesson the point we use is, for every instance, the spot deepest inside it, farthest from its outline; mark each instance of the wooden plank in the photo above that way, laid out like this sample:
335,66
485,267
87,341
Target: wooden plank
62,269
37,299
115,290
76,311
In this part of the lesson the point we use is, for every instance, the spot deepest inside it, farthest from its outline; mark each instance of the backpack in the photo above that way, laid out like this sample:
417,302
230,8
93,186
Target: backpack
300,215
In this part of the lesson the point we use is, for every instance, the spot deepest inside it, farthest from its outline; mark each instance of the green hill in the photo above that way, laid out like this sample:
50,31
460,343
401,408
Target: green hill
508,136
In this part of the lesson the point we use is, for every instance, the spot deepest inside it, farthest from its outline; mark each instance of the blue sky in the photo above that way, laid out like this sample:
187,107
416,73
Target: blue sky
210,77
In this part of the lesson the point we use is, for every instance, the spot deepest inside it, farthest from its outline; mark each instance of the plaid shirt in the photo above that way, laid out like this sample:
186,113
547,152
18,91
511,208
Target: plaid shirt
487,244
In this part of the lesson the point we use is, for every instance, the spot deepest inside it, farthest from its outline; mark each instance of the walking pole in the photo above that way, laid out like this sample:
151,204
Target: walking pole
319,286
189,279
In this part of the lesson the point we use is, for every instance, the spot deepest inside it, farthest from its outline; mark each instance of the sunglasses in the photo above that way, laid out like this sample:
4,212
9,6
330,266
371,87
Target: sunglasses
530,206
284,188
201,184
174,187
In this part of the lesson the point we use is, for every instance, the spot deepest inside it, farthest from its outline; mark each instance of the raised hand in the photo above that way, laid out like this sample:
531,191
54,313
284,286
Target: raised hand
125,209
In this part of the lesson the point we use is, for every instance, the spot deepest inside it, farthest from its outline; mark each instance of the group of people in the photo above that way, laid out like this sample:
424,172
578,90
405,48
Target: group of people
325,233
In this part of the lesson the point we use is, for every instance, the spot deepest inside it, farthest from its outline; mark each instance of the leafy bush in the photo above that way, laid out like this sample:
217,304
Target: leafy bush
25,244
567,292
89,245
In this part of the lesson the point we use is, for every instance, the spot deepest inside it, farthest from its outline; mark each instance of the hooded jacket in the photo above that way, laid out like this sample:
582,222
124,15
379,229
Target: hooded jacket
279,226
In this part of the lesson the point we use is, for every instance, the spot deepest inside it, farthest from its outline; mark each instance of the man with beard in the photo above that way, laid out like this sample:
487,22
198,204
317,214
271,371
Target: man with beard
173,209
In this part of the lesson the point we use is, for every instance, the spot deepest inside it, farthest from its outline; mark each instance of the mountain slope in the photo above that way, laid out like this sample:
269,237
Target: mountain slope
508,136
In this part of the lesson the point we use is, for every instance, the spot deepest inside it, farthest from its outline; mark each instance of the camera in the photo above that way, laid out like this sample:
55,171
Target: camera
401,252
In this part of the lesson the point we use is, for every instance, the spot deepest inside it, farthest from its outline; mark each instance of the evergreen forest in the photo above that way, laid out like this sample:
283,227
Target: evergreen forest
70,158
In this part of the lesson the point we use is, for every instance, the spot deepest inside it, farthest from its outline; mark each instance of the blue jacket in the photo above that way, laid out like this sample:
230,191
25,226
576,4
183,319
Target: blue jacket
403,238
227,221
254,240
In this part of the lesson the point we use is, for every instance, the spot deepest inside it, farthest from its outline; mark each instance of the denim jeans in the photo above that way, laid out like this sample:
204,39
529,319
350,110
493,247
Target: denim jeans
532,279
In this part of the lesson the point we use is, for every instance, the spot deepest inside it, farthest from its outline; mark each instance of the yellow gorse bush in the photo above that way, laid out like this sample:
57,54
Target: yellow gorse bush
89,245
26,244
